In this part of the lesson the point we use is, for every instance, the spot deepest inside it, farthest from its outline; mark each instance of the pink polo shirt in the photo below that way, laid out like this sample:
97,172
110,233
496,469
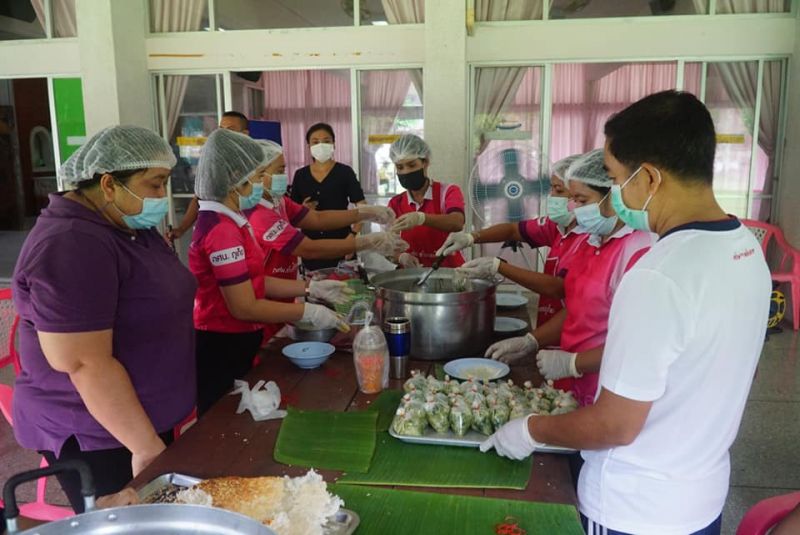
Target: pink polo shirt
224,252
276,233
594,275
544,232
425,241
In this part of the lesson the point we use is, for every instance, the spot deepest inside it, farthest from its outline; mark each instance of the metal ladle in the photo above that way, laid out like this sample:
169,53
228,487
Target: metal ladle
436,263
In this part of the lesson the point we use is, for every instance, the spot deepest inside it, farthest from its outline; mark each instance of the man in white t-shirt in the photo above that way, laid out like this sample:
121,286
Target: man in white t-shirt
685,332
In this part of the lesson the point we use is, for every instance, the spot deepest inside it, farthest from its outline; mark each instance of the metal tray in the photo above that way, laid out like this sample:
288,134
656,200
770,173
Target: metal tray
164,488
472,439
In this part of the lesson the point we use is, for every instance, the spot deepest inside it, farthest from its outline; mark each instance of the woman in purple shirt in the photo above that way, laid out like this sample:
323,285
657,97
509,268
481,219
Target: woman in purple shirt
106,334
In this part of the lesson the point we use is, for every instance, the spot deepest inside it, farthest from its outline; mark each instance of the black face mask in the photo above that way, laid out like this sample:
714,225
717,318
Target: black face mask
414,180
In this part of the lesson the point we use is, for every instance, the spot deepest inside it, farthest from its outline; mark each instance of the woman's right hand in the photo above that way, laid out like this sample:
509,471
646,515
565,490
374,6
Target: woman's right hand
321,317
141,460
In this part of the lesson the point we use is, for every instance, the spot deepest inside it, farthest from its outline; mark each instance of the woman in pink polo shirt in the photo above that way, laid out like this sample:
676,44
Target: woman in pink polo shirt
429,210
557,231
596,270
234,297
277,221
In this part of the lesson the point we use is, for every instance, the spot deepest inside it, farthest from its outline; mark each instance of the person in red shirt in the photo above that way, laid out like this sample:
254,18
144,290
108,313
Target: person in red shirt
556,230
429,210
277,221
234,297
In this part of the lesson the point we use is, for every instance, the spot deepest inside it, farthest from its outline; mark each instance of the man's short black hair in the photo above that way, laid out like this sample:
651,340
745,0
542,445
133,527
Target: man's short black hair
671,129
320,126
238,115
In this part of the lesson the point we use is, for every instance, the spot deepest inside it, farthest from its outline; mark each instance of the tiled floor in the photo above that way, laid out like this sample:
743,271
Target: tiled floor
764,457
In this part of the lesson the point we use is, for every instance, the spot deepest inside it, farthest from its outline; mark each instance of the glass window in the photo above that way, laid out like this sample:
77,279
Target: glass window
733,112
191,115
491,10
693,78
770,6
178,15
383,12
390,106
64,21
299,99
506,183
584,9
261,14
22,19
585,95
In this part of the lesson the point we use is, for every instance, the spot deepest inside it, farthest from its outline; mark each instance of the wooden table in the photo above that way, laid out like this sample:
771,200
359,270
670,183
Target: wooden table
223,443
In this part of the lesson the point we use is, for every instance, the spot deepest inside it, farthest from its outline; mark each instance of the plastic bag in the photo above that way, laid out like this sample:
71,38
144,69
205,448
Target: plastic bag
371,358
262,404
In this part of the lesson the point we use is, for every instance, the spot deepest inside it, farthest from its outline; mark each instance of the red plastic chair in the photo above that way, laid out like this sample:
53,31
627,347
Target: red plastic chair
765,232
9,321
764,515
8,329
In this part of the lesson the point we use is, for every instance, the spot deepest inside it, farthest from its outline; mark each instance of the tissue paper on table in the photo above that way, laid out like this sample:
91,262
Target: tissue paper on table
262,404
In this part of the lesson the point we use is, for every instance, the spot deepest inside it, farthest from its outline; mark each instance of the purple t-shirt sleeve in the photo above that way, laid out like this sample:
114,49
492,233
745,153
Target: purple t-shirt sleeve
73,285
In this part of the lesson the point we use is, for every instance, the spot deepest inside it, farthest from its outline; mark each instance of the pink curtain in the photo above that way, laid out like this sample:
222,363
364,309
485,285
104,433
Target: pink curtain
63,13
382,95
298,99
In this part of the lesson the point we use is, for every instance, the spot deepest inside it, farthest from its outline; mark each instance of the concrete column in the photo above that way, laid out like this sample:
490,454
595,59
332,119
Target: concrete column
445,79
116,84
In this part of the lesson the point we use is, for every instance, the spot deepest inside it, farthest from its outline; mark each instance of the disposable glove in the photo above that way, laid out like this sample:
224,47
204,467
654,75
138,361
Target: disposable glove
557,364
408,221
456,241
513,349
320,317
330,291
379,214
513,440
484,267
408,260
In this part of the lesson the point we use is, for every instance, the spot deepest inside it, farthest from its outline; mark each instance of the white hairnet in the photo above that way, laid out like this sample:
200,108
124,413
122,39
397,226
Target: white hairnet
590,169
409,147
117,148
228,159
271,150
559,168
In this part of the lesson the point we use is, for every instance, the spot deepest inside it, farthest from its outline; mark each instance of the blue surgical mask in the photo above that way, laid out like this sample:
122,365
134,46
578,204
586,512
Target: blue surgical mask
558,211
246,203
153,211
279,185
636,219
591,221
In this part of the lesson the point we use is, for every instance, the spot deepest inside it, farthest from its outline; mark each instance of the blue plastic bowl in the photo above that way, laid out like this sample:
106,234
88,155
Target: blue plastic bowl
308,355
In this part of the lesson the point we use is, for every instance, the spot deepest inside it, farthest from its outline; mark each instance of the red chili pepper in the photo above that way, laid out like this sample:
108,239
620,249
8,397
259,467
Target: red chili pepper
509,526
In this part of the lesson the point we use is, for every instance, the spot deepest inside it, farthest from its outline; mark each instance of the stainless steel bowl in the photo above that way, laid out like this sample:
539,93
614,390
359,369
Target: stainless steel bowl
445,323
299,334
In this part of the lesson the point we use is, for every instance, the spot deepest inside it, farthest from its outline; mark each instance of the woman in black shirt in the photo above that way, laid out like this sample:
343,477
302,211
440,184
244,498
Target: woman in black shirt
325,185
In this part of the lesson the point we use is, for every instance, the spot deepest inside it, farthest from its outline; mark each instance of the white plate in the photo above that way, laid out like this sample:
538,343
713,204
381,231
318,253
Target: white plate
507,300
463,369
506,325
472,439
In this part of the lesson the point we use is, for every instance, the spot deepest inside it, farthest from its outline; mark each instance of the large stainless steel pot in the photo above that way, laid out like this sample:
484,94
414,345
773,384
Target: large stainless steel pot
444,324
139,519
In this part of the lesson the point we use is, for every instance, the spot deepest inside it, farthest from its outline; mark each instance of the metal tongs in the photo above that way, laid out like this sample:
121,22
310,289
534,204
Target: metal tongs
436,263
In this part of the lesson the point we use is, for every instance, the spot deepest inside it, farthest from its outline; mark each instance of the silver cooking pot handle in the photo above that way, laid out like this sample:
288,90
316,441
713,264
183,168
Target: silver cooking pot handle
10,499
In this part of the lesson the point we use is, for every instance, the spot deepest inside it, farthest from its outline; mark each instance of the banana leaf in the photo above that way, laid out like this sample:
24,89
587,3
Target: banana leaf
327,440
391,512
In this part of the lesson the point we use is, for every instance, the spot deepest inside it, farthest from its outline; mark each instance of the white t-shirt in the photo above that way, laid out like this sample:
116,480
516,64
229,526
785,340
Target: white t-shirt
686,329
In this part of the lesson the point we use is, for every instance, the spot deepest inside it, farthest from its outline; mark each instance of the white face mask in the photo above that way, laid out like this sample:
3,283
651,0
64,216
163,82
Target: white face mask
322,152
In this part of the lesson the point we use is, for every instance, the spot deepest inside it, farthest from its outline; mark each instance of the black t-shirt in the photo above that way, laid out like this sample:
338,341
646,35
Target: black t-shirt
336,192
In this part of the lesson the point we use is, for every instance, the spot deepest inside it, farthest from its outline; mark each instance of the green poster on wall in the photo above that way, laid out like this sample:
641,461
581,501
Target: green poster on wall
68,97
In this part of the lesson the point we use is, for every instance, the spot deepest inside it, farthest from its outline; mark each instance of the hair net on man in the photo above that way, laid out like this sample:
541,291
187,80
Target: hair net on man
271,150
590,169
409,147
227,160
117,148
559,168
